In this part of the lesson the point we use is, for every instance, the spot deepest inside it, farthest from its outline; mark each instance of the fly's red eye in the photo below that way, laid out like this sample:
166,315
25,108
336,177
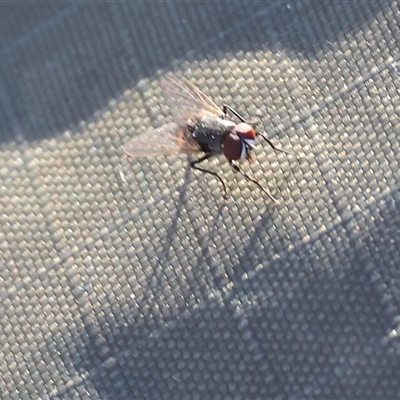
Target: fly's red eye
233,147
245,131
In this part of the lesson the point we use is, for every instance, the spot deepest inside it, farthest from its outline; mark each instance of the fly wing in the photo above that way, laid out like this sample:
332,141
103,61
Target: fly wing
186,100
171,138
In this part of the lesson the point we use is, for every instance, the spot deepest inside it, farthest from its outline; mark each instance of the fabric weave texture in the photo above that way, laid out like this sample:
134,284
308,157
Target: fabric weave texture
135,279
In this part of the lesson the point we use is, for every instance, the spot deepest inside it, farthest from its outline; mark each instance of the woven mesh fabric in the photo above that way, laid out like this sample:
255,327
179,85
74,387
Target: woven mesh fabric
126,279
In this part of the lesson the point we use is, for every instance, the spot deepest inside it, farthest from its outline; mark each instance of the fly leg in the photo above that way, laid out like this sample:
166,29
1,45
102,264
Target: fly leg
237,169
273,146
193,164
227,108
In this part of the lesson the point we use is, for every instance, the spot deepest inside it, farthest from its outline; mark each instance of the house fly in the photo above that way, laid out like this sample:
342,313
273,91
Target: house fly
199,126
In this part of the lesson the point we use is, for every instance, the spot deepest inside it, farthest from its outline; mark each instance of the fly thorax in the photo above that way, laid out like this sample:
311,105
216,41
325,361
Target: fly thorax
226,123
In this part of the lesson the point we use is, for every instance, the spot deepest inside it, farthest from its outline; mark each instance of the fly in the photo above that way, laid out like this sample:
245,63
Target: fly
199,126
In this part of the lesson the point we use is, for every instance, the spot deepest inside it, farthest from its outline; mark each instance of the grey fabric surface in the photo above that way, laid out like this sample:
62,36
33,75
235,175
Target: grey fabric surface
128,279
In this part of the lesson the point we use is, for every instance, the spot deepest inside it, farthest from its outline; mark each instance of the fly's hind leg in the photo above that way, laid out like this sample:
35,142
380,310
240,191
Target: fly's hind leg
237,169
193,164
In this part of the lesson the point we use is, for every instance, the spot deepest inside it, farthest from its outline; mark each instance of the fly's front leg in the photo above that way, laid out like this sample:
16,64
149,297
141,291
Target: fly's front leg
237,169
193,164
226,108
273,146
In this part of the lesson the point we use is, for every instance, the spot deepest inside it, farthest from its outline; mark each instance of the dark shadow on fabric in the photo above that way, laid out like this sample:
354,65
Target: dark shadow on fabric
288,331
78,59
